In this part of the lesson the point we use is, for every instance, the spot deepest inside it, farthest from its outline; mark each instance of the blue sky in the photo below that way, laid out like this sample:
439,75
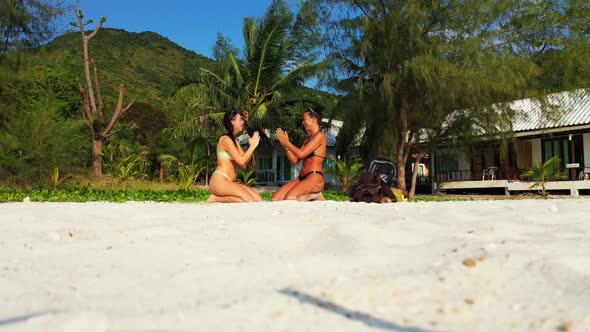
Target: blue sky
191,24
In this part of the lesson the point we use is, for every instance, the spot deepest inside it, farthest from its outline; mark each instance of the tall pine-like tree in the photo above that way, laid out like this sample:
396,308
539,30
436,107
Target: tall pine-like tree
26,24
406,66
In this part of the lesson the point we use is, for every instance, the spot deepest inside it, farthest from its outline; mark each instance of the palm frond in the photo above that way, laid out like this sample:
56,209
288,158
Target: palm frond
294,75
235,65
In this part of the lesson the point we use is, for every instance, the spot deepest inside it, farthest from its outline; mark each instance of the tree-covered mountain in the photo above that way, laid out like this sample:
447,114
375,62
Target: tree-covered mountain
149,64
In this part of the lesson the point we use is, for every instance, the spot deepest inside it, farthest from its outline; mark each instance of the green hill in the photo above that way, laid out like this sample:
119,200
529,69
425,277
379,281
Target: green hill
149,64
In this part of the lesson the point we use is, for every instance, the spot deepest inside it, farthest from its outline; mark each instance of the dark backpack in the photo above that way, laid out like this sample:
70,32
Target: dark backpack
370,188
386,169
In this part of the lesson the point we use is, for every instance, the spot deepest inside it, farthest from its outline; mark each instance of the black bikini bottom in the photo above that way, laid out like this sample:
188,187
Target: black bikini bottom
303,177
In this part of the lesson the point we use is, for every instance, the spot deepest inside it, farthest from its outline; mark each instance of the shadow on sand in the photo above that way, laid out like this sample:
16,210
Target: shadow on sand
367,319
23,318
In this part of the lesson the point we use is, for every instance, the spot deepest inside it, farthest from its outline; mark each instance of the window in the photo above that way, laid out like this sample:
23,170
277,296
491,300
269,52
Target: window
264,163
264,171
421,169
446,163
328,163
569,149
283,168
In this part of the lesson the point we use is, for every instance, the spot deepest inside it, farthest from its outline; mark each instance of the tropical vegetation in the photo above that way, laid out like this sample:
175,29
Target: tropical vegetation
541,173
345,172
418,74
406,77
264,80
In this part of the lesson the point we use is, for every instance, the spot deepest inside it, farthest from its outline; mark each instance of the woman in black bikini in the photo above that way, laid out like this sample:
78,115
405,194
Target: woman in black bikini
309,184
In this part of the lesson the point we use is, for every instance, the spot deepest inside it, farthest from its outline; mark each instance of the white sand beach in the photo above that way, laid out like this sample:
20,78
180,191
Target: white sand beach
512,265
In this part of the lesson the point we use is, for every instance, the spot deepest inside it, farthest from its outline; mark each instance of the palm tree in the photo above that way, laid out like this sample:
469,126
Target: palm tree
257,81
345,172
542,173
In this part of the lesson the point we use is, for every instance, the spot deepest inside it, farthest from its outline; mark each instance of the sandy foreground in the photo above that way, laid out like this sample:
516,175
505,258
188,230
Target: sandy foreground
290,266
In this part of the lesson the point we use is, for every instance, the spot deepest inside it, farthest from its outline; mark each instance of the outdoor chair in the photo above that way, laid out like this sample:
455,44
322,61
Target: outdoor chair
489,173
386,169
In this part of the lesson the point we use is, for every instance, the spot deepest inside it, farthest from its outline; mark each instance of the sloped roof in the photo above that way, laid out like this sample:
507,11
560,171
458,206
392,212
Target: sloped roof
572,106
332,131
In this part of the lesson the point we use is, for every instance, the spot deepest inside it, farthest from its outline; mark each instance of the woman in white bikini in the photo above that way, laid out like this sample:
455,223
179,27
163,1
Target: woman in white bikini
230,155
310,183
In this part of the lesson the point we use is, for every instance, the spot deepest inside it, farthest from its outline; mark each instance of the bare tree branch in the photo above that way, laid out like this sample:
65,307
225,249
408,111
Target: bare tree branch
358,5
86,104
114,132
117,112
98,93
93,33
86,62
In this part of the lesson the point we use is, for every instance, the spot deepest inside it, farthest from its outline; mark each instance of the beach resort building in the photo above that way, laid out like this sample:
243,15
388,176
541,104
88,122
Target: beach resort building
536,139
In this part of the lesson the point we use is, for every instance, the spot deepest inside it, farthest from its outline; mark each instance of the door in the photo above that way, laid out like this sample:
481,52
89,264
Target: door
525,155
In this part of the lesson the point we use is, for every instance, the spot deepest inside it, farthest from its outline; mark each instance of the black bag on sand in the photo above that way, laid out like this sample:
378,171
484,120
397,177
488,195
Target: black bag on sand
370,188
386,169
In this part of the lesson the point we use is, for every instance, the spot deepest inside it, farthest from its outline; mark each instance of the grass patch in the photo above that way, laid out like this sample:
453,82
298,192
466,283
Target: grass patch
103,195
123,195
157,193
438,199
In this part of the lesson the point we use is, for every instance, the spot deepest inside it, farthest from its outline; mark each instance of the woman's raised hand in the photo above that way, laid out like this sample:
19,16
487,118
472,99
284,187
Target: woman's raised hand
282,136
254,139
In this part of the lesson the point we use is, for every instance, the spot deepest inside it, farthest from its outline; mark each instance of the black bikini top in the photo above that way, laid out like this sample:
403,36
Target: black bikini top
312,154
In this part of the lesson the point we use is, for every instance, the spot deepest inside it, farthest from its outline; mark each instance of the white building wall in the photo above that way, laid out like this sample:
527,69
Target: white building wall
586,140
536,151
296,169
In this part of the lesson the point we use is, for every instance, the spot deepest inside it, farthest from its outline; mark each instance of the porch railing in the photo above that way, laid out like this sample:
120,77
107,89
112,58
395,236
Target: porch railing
265,176
420,179
510,174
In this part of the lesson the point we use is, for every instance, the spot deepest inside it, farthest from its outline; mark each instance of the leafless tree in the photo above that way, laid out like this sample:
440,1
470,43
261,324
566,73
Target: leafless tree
92,99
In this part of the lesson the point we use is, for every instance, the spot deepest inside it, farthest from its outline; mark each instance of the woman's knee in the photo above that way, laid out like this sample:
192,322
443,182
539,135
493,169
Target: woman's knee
257,197
292,195
239,195
277,196
245,196
254,197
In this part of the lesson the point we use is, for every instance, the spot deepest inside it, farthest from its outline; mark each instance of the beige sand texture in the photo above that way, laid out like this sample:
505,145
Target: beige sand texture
291,266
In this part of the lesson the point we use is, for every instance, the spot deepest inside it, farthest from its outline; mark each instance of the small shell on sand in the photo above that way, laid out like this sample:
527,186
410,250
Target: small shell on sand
469,262
565,326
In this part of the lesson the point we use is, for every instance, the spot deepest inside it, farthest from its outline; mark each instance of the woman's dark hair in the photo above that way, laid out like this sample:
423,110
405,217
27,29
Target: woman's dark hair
229,129
317,113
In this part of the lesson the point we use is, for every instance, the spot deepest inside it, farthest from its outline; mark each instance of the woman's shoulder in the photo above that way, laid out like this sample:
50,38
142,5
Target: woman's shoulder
226,141
223,139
